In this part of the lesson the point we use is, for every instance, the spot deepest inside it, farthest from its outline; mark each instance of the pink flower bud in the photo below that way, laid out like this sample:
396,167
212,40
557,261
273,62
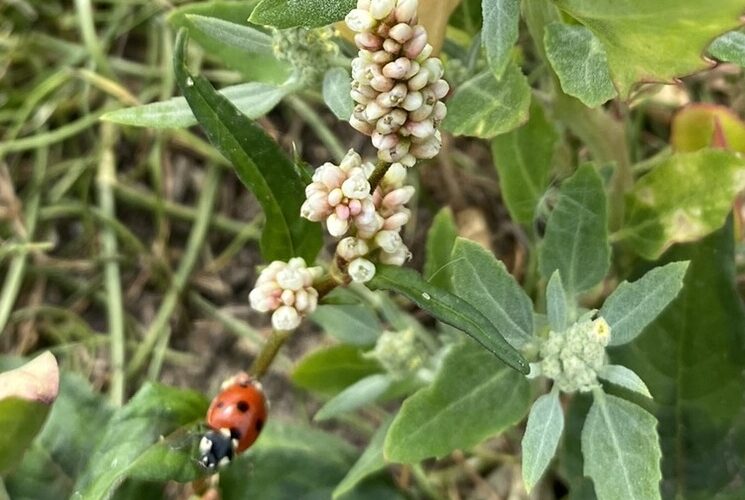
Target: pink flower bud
416,44
418,81
368,41
427,149
397,69
406,10
391,46
398,197
285,318
422,129
342,212
381,8
397,220
381,141
355,207
381,83
359,20
401,33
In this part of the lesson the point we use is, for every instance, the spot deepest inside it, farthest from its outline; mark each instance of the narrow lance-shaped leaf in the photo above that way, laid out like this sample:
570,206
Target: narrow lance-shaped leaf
363,392
653,41
307,13
499,32
523,160
485,107
557,304
484,282
440,240
242,37
580,62
253,99
337,85
632,306
449,309
370,461
259,162
542,434
621,450
473,396
576,241
623,377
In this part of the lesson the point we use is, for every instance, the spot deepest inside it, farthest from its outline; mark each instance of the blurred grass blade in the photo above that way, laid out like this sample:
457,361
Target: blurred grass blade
253,99
259,162
449,309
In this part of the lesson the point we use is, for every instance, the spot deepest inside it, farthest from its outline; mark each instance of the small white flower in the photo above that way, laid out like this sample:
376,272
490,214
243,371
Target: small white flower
361,270
359,20
285,318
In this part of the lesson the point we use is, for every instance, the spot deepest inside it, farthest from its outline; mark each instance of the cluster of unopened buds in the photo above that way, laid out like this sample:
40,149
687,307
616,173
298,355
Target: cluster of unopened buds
286,290
398,88
396,82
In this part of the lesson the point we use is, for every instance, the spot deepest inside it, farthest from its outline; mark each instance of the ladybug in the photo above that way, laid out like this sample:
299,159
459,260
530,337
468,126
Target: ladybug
235,417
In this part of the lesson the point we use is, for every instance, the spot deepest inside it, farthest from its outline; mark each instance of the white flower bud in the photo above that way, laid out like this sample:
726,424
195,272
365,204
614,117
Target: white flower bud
351,160
413,70
285,318
434,66
335,197
361,270
398,258
421,113
288,297
391,46
394,154
363,4
418,81
395,176
408,160
381,83
380,9
398,197
368,41
389,241
427,149
440,88
421,129
359,20
397,220
373,111
351,248
336,226
290,279
439,112
382,57
406,10
381,141
361,126
393,97
412,101
425,53
416,44
356,186
401,33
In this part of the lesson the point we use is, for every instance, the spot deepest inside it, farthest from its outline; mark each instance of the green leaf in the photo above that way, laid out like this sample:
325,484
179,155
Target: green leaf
729,47
262,67
576,241
337,86
363,392
484,107
570,464
20,420
64,446
653,40
352,324
621,450
484,282
331,369
557,304
660,212
131,444
499,32
370,462
449,309
276,181
308,13
579,60
245,38
523,158
545,424
623,377
473,397
695,127
691,358
253,99
632,306
440,241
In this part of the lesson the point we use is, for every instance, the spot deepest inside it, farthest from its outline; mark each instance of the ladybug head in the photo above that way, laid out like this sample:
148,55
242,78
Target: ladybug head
216,448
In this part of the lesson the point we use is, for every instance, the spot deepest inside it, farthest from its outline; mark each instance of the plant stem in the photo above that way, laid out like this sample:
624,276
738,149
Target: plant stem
315,122
264,360
14,276
381,168
105,179
159,327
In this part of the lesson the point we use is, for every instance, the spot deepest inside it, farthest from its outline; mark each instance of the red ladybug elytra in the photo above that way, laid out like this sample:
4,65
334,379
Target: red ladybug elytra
236,417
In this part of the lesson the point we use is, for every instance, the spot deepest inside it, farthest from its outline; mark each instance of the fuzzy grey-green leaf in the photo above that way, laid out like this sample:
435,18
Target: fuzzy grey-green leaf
632,306
729,47
557,303
336,88
308,13
440,240
624,377
579,60
363,392
542,434
621,450
352,324
499,32
242,37
370,461
485,107
483,281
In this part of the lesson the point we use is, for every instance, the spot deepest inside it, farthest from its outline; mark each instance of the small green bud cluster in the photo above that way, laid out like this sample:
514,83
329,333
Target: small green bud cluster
573,358
308,51
399,352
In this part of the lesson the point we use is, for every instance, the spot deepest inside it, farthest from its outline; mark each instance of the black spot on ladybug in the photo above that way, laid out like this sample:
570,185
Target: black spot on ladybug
259,425
220,404
242,406
235,433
